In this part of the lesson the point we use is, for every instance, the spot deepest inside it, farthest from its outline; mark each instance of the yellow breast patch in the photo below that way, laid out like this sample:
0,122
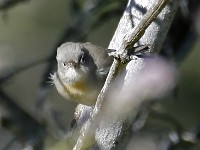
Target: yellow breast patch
78,87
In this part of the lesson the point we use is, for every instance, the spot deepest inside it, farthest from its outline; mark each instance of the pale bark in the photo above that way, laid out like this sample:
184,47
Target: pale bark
113,133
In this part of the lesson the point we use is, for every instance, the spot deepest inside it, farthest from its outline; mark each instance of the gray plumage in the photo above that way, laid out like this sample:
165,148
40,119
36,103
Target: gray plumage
83,66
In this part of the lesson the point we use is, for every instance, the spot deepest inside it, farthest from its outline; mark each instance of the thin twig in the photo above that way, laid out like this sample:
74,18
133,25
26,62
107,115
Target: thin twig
6,4
6,75
136,33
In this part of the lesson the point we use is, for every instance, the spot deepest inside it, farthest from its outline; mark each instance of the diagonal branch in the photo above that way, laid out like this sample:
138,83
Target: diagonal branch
6,4
86,138
136,33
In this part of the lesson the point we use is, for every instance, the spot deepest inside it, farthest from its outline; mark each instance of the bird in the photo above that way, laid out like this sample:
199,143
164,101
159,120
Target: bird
81,71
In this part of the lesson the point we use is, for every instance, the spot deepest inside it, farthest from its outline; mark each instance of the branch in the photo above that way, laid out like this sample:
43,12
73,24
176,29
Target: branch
6,4
21,124
136,33
9,73
108,133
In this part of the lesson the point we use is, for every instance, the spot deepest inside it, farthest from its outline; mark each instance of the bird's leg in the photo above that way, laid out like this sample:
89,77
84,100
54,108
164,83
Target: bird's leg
129,54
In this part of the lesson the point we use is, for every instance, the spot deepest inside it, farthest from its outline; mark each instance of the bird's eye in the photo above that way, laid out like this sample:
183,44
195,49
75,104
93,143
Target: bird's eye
64,64
82,59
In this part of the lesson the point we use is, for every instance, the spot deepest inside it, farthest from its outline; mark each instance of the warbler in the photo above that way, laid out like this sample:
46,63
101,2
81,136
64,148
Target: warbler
81,71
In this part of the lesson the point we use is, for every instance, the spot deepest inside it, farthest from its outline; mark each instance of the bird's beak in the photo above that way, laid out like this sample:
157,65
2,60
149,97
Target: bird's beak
72,65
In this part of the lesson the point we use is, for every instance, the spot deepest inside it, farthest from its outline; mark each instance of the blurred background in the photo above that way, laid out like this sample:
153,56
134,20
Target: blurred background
34,116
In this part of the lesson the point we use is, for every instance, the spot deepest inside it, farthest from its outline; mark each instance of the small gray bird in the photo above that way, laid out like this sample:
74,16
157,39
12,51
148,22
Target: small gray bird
81,71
